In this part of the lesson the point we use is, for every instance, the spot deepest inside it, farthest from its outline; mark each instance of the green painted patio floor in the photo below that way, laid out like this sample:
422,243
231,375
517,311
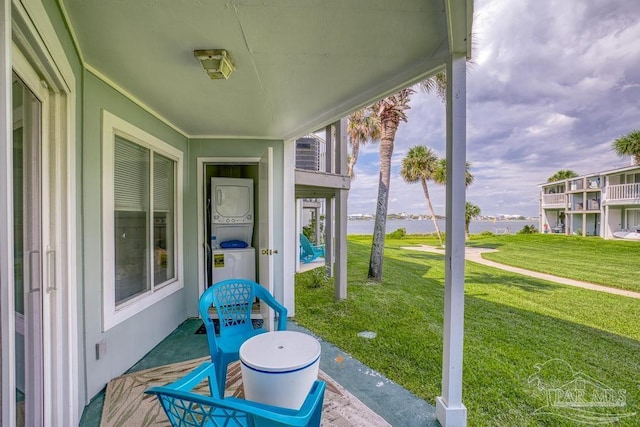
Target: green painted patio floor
395,404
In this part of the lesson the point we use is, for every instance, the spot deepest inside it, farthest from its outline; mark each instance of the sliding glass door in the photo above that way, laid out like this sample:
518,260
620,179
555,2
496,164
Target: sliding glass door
28,258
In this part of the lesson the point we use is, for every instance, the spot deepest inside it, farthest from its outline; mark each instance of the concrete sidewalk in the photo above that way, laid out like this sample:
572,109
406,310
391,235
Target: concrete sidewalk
475,255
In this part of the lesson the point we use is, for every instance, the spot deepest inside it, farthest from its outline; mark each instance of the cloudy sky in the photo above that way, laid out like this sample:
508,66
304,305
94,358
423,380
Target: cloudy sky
552,85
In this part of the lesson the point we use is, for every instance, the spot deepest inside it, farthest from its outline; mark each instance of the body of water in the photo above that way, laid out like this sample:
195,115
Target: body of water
426,226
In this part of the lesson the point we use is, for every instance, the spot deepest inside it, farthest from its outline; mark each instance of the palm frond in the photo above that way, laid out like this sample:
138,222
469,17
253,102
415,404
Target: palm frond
628,145
437,84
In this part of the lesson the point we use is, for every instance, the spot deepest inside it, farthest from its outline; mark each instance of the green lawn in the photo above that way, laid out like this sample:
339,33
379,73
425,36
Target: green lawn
512,324
591,259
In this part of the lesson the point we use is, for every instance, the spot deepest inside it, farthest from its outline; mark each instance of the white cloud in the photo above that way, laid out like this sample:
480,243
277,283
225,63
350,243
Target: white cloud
553,84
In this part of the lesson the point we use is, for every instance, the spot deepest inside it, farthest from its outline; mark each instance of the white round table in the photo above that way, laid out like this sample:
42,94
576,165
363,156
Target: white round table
279,368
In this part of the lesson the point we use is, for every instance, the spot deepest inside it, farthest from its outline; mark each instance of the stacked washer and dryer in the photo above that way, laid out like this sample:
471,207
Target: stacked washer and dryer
232,221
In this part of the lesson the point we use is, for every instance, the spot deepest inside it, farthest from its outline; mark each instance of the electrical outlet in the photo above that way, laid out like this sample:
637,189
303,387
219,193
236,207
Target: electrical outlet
101,349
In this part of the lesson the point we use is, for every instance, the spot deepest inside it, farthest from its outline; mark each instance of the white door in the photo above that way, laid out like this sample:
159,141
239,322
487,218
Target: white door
28,253
266,250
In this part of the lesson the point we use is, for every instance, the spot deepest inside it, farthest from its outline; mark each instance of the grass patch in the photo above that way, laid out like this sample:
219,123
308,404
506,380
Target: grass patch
590,259
512,323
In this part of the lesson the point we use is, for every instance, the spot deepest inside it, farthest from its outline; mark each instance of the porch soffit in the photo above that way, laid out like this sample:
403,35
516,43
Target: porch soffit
300,63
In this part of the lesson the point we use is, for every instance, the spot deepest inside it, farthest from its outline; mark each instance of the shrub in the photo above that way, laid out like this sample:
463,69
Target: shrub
528,229
398,234
319,277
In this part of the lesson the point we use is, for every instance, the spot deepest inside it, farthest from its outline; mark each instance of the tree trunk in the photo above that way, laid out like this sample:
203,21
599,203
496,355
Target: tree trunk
433,214
355,148
388,133
636,158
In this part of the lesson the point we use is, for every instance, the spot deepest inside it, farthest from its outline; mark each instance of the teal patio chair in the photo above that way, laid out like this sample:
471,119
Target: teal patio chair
308,252
233,299
185,408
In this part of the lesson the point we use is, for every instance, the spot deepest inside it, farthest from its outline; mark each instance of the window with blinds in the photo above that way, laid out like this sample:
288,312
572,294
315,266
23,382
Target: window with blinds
163,219
144,237
142,199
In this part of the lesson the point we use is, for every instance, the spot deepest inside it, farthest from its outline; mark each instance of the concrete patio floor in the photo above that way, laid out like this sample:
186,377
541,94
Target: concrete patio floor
395,404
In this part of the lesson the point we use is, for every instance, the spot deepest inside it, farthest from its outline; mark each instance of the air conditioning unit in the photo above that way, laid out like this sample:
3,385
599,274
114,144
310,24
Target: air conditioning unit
308,154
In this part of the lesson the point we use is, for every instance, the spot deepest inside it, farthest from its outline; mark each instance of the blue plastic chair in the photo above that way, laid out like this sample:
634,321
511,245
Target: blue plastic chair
186,408
233,300
309,252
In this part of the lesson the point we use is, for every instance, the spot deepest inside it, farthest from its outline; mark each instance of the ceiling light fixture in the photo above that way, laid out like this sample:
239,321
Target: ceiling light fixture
216,62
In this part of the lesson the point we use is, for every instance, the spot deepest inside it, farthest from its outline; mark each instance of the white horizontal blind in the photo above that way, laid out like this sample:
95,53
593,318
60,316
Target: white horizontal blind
163,183
131,175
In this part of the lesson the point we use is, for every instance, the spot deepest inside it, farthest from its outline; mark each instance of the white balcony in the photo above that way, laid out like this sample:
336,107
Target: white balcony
625,193
553,200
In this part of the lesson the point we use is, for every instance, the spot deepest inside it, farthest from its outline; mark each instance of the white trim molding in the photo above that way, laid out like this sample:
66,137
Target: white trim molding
201,162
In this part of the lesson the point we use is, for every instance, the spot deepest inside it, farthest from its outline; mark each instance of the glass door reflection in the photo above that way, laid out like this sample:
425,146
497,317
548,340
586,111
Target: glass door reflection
27,220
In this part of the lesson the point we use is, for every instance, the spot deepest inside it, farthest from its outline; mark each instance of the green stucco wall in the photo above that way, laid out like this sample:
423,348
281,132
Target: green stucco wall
128,341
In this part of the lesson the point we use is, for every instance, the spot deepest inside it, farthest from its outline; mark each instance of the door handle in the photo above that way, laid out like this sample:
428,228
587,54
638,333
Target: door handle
51,270
32,271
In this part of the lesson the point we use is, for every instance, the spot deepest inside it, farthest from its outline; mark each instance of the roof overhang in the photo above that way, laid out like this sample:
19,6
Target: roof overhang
300,64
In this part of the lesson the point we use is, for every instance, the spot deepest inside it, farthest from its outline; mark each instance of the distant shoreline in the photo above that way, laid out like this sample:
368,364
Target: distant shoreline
426,226
444,218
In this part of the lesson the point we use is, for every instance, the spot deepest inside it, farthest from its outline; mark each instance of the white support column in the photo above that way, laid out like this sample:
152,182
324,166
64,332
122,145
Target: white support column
7,309
316,215
604,223
341,213
328,218
329,233
290,238
329,149
298,219
449,408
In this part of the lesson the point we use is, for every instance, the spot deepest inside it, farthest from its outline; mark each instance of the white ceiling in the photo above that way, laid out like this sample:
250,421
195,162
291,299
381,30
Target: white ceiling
300,63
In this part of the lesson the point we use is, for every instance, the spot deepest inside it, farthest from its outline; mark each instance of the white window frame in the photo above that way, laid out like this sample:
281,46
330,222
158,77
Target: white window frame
112,314
626,219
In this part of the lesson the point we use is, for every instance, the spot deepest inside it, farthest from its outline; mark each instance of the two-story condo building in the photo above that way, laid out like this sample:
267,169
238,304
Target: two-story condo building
605,204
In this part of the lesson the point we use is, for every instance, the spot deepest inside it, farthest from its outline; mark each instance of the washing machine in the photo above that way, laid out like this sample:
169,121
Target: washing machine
233,264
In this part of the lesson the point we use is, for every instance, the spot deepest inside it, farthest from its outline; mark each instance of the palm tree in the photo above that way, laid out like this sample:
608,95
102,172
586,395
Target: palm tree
440,173
390,111
629,145
363,126
561,175
419,165
438,84
471,211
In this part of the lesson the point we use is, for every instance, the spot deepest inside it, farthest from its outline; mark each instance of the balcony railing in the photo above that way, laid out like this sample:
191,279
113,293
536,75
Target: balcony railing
553,199
624,192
